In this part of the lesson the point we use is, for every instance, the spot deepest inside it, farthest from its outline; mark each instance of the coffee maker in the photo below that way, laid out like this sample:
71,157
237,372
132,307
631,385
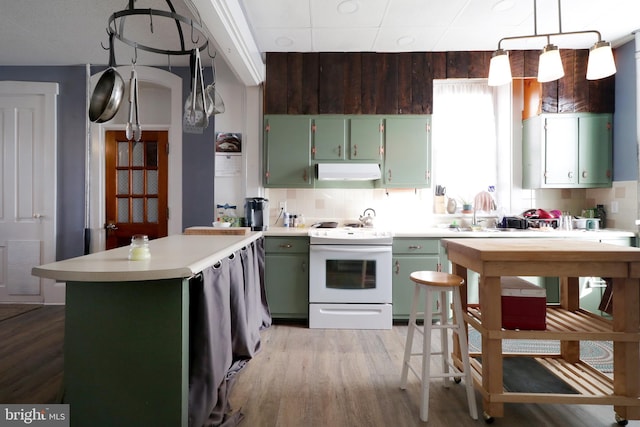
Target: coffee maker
257,213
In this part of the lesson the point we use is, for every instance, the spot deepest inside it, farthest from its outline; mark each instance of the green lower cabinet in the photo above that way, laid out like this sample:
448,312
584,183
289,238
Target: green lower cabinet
287,276
409,255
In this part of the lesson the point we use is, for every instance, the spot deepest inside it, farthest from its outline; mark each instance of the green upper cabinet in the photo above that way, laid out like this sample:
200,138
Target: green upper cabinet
287,141
295,144
346,138
595,156
567,151
365,138
561,146
329,136
407,152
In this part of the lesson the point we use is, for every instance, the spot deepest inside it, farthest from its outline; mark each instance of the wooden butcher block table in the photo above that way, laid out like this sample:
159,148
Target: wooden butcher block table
493,258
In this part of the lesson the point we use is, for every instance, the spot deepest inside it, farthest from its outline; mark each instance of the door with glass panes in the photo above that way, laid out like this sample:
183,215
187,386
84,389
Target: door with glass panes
135,186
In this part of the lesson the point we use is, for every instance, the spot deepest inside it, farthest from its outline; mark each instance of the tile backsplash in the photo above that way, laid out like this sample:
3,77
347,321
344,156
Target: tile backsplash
401,208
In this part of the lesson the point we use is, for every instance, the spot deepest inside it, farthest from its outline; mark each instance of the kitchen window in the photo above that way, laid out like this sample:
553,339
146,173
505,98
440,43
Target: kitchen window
471,139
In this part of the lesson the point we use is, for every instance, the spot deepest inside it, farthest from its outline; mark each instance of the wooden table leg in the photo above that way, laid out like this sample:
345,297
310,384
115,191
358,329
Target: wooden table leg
626,355
458,270
490,303
570,300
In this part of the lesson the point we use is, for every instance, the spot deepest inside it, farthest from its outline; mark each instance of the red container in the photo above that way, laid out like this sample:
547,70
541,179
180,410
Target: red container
524,305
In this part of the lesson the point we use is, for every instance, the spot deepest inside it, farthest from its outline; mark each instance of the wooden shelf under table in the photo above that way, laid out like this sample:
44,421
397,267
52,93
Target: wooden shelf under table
562,325
593,386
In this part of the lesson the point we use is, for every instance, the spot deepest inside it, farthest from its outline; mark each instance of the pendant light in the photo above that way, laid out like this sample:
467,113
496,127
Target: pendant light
600,64
550,64
499,68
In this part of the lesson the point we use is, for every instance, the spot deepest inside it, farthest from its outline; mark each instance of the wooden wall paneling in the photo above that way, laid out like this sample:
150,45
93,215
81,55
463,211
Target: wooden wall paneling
294,83
369,89
387,83
331,83
421,82
310,70
567,83
516,59
479,64
531,59
275,91
601,95
405,83
438,67
580,82
457,65
353,84
550,97
438,61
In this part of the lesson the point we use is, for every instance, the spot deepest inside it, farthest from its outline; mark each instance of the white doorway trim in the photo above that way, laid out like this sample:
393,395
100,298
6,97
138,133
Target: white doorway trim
96,164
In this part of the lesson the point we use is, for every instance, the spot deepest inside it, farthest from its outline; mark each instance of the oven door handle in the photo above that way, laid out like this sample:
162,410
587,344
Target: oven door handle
351,248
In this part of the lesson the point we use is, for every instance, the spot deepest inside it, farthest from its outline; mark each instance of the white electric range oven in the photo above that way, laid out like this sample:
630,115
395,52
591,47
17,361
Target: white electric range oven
350,278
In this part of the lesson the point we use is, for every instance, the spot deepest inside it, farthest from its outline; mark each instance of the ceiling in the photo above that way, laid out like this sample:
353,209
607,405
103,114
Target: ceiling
70,32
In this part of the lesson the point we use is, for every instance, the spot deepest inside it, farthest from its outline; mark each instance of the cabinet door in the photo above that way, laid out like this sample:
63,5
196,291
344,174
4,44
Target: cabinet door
329,136
407,148
595,159
365,138
287,285
288,151
561,150
403,287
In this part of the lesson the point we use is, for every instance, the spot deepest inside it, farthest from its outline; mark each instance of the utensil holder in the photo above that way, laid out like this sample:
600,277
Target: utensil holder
439,204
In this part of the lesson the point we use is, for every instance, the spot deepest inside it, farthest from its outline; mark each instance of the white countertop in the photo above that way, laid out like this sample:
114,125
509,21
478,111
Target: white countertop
171,257
438,232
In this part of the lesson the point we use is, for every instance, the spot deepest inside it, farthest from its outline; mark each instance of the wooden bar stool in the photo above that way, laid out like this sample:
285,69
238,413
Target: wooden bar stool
439,285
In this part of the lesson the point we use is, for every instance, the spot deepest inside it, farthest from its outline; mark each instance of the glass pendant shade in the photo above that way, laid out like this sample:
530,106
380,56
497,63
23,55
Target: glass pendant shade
550,64
499,69
601,63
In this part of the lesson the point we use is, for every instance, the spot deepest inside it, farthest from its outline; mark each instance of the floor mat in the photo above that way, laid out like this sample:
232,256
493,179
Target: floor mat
525,375
598,354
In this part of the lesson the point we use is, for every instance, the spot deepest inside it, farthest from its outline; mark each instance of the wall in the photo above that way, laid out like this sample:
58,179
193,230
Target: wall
408,206
624,193
198,166
71,117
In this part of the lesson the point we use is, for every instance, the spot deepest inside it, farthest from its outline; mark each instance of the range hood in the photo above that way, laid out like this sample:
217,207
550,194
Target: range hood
348,171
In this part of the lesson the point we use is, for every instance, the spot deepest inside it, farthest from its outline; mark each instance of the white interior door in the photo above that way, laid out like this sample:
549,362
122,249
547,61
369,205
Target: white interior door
28,183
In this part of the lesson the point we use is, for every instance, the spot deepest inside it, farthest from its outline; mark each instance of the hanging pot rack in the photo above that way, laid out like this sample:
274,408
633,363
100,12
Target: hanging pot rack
116,28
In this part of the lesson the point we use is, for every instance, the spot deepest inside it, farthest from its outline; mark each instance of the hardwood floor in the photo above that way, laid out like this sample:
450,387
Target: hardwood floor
31,356
302,376
316,377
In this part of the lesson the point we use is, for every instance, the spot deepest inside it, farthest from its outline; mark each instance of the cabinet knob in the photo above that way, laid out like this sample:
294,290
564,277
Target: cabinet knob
355,150
305,176
339,150
584,174
570,174
286,246
397,267
389,176
415,246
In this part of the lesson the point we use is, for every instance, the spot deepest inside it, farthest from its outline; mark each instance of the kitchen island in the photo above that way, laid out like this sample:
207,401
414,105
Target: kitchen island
133,328
567,323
